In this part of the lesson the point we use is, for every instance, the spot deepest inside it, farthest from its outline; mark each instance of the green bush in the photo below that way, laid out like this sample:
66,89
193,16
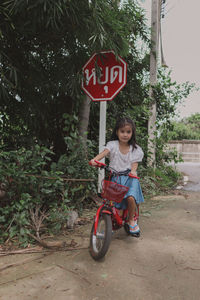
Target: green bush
160,180
187,128
37,190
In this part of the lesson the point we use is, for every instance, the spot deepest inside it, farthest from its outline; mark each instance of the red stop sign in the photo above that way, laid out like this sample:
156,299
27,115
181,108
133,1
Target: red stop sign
104,76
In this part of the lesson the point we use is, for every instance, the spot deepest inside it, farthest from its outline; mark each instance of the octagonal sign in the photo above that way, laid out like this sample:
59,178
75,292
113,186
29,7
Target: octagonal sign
104,76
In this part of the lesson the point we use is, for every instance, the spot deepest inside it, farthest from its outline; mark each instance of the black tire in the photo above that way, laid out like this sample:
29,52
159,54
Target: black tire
100,242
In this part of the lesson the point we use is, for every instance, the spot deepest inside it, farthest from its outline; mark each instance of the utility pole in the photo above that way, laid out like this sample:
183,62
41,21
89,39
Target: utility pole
155,29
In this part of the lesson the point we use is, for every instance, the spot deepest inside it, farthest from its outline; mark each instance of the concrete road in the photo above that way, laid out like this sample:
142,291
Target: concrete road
163,264
192,170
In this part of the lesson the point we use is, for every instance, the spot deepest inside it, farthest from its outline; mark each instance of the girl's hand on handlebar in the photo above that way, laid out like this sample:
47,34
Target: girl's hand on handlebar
96,163
133,175
92,163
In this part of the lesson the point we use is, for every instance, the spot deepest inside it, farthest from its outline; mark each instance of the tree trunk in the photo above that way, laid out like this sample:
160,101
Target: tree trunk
84,115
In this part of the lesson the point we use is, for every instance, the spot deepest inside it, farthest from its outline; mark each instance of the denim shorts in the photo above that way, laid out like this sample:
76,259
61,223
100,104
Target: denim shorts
134,190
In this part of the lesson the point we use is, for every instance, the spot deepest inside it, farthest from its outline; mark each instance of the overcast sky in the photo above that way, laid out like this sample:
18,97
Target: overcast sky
181,46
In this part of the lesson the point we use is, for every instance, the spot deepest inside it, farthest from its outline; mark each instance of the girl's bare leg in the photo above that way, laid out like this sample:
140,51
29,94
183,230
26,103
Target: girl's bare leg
131,211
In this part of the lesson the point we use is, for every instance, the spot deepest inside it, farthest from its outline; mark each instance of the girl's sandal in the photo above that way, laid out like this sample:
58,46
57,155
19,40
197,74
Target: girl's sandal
135,233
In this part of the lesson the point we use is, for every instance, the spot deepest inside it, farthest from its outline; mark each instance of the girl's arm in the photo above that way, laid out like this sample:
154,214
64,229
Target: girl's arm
99,157
134,167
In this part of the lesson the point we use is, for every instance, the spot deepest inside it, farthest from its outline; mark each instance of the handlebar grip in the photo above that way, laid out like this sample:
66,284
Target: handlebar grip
100,164
133,176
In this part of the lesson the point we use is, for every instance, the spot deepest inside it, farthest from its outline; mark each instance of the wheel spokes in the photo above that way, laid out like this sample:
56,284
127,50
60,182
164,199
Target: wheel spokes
98,240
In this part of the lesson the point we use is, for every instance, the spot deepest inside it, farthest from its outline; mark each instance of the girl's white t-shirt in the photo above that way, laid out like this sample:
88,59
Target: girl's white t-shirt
119,161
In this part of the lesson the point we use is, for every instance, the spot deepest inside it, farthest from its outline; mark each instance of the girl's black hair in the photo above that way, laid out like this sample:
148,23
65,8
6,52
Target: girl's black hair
121,123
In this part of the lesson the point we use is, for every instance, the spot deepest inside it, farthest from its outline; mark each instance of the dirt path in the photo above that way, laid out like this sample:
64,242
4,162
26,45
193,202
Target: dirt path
163,264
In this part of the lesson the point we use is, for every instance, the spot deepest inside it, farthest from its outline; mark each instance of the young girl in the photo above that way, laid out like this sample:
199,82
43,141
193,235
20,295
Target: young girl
124,155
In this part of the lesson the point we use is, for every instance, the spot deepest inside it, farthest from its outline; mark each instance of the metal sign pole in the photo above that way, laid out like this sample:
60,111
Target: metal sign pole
102,139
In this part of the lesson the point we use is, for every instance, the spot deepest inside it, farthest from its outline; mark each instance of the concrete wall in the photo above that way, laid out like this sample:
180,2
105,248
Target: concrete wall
189,149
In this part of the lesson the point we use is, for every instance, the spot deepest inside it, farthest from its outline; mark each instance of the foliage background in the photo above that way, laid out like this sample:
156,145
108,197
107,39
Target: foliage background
187,128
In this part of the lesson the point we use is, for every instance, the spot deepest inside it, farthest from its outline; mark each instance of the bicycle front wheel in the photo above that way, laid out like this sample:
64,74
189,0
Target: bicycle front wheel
100,242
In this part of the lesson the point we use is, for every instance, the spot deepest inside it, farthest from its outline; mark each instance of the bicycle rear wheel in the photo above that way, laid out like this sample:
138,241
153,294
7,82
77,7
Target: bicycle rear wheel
100,242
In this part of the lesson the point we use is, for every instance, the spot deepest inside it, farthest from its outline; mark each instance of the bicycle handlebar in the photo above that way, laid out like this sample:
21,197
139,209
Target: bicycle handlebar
99,164
104,166
133,176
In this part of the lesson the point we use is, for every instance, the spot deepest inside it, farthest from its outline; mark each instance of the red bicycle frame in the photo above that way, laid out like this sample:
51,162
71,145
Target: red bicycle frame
114,212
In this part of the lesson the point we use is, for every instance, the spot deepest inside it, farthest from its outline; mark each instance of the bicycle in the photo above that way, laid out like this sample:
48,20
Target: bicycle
108,218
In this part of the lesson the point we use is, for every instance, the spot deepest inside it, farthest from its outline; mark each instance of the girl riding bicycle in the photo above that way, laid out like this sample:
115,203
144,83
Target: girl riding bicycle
124,155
